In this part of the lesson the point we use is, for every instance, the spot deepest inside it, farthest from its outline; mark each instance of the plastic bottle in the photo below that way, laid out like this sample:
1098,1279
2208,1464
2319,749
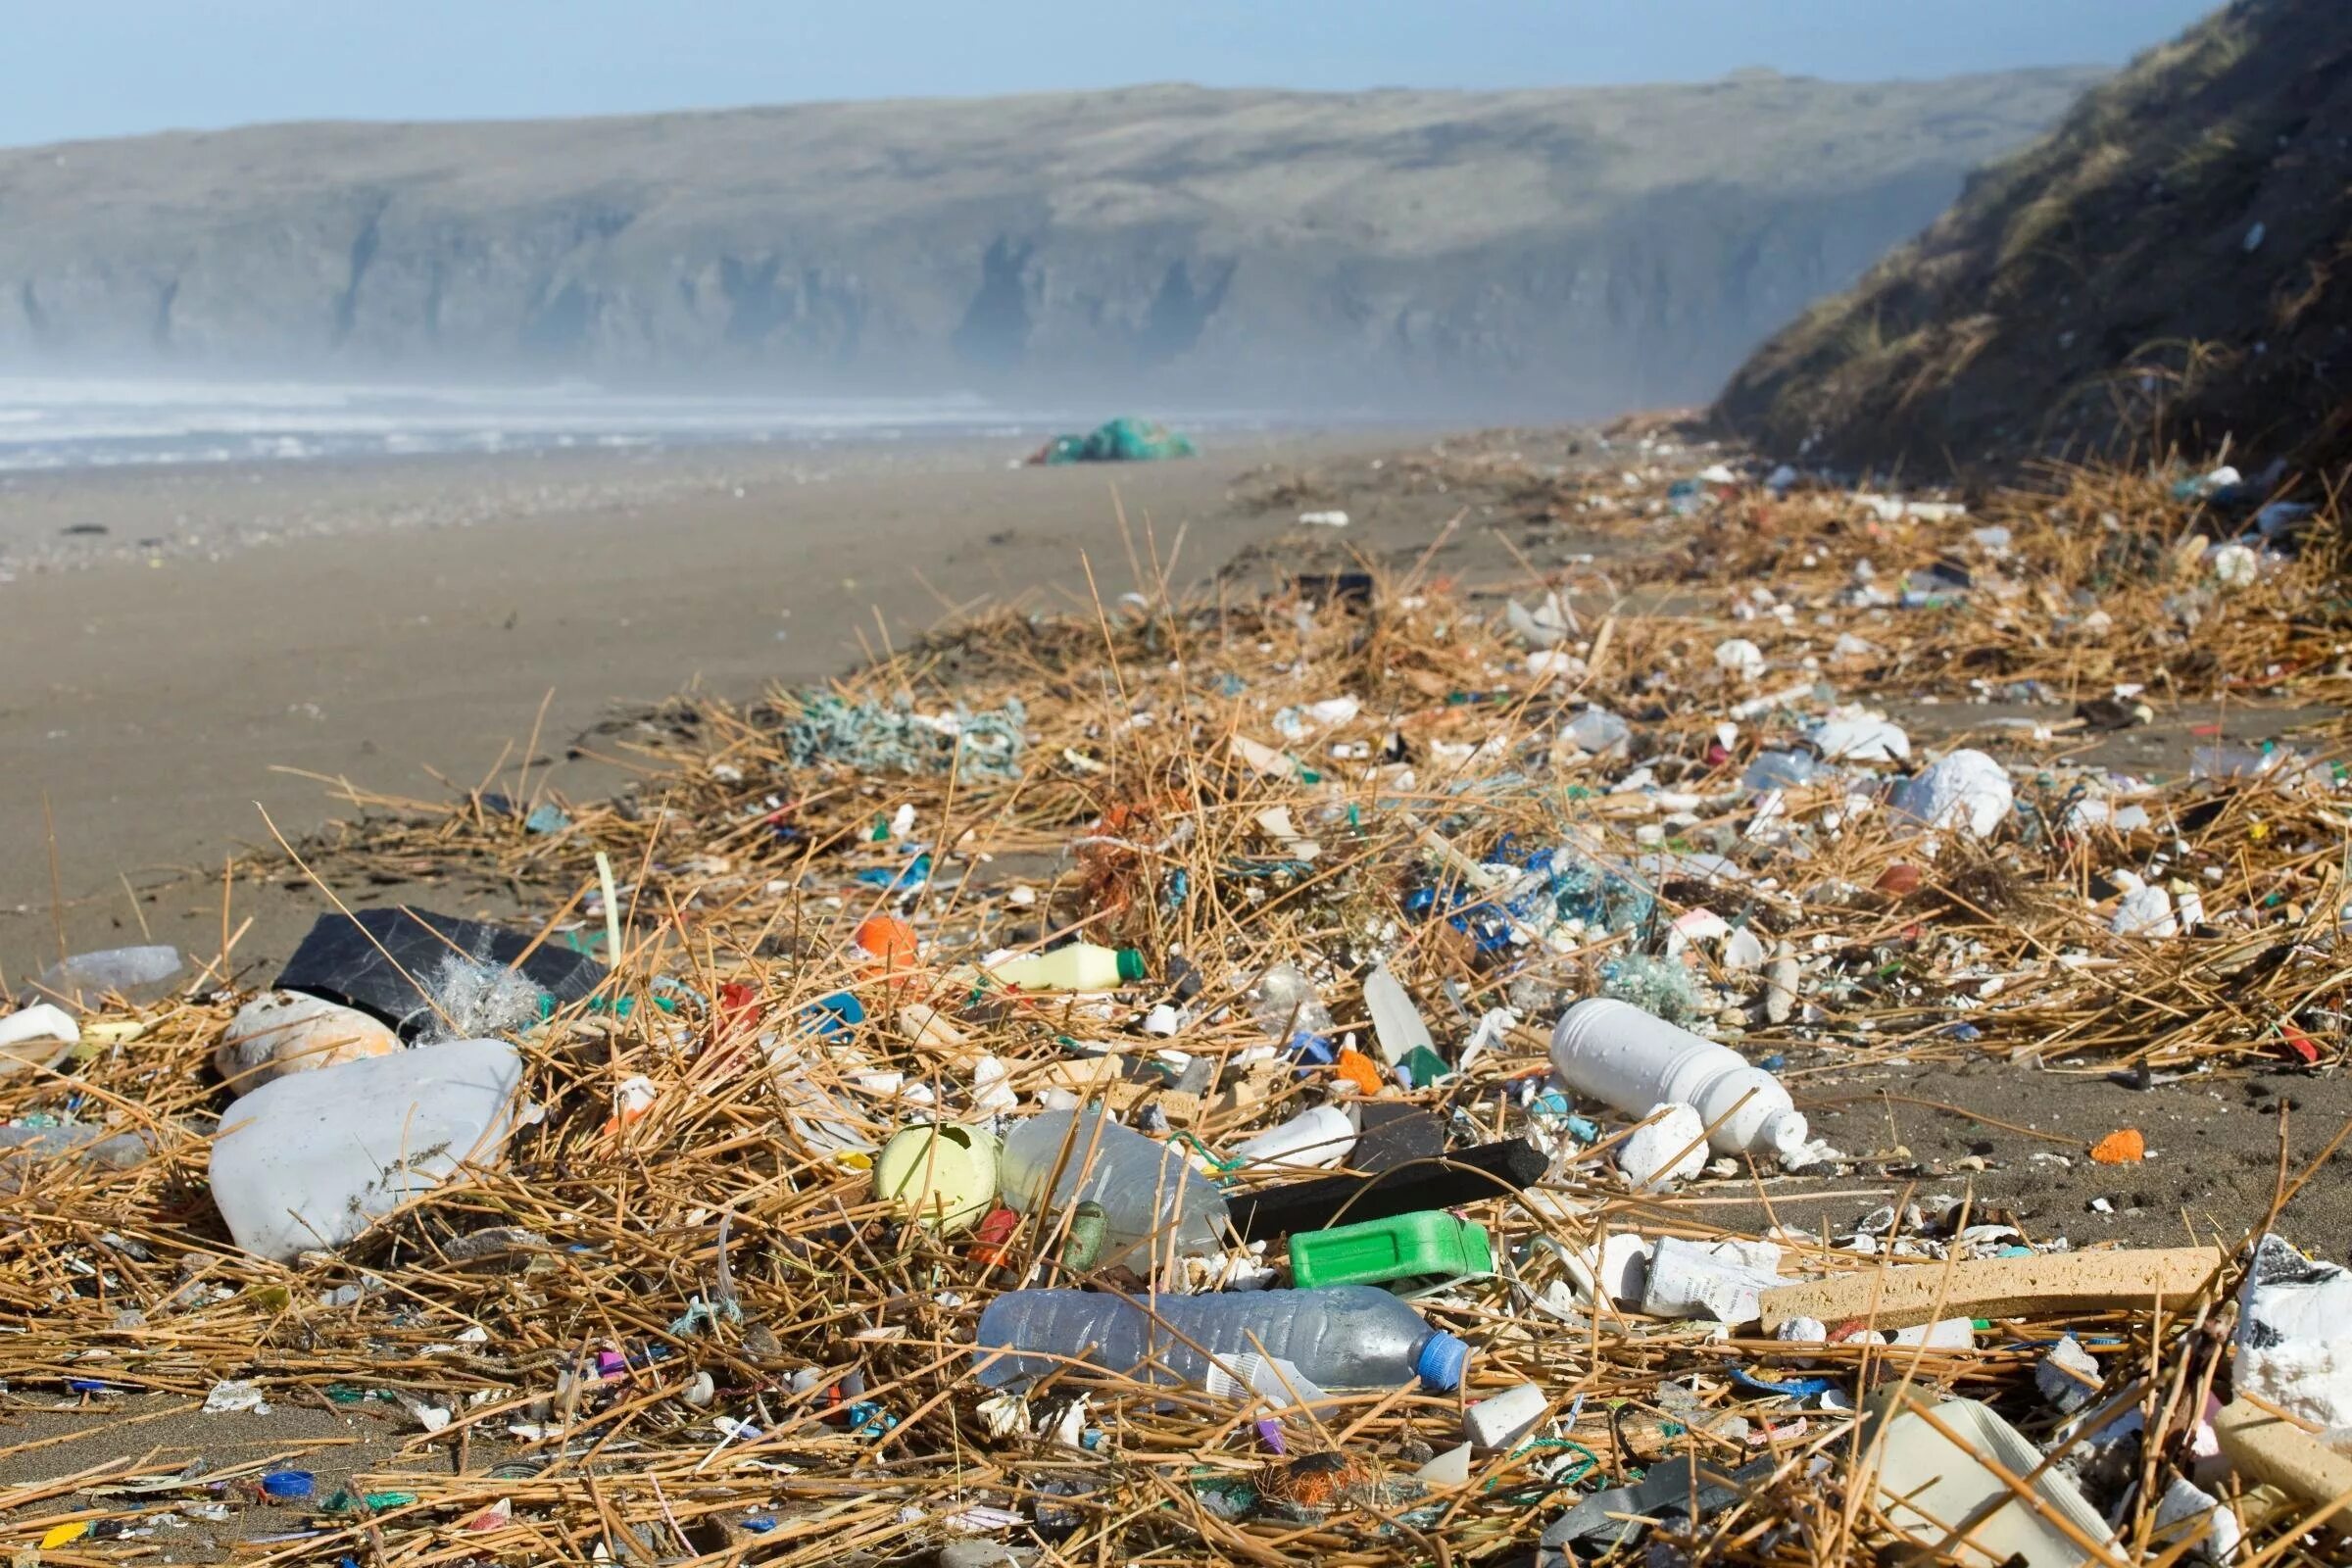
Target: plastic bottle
1316,1139
1288,1008
1080,966
1347,1337
114,969
1144,1186
1613,1050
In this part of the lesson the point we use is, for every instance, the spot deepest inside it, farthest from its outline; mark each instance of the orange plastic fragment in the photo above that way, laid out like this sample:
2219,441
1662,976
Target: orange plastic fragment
1358,1070
889,941
2125,1148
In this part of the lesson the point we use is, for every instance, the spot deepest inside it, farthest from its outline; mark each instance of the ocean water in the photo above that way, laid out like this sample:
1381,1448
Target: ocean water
68,424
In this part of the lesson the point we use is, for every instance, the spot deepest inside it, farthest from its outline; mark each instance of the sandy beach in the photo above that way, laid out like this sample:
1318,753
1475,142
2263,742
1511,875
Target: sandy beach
238,632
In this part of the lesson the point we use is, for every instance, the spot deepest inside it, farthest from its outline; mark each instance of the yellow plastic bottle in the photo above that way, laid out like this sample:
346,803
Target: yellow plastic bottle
1080,966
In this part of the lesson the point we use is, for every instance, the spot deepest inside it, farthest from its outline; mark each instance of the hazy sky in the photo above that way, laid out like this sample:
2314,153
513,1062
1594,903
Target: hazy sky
97,67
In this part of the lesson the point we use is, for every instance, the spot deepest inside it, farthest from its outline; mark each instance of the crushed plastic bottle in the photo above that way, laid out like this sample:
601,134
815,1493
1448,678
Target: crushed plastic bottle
1596,730
1145,1188
1345,1337
1288,1007
93,975
1781,770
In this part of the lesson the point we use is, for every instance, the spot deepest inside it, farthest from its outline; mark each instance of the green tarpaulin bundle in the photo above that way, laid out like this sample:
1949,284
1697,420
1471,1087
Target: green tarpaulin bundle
1121,440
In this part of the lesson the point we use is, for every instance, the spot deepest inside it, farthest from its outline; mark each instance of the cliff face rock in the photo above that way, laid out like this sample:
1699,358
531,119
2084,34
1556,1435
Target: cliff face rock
2171,267
1569,249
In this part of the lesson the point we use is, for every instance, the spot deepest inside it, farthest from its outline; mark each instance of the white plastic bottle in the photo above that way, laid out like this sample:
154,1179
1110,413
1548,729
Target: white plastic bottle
1342,1337
1316,1139
1146,1188
1080,966
1614,1052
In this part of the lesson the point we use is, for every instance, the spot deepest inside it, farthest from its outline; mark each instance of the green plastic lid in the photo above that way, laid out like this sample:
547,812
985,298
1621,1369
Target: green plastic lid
1131,965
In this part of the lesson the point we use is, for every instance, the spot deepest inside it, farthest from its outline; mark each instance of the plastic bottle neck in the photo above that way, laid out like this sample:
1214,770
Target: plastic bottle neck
1440,1361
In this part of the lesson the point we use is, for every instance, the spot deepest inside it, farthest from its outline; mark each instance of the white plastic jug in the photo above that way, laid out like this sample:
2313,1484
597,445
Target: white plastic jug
1614,1052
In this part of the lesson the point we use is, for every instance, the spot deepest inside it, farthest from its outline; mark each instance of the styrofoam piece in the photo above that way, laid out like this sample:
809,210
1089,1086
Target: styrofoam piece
1740,658
2067,1375
1670,1148
1960,789
2178,1511
37,1036
1503,1420
1862,738
312,1159
2294,1334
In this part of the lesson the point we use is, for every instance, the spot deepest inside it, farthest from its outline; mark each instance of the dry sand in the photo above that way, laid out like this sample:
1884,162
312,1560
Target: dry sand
400,624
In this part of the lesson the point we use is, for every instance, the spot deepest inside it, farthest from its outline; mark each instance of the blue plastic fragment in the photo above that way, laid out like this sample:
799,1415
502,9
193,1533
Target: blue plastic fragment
836,1014
289,1484
1774,1063
868,1419
1794,1388
914,874
1313,1048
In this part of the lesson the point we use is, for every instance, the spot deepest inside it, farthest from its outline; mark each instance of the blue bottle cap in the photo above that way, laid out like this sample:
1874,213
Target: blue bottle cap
1313,1048
1442,1362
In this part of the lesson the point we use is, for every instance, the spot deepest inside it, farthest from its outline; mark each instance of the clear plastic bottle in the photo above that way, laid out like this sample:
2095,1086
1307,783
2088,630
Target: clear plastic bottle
1288,1007
1345,1337
1144,1186
1636,1062
114,969
1079,966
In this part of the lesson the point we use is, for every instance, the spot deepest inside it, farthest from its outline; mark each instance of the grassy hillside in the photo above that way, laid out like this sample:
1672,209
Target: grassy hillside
2171,267
1562,251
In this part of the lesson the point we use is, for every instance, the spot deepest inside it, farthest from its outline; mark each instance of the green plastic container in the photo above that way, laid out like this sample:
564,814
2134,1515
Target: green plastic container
1419,1251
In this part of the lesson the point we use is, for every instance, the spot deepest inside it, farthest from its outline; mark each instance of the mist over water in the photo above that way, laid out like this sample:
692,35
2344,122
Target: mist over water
61,422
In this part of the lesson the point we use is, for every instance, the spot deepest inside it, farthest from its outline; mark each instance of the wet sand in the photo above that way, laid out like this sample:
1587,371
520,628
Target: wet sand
411,625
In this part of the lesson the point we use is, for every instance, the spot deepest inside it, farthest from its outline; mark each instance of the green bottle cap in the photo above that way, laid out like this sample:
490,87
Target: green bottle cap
1131,965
